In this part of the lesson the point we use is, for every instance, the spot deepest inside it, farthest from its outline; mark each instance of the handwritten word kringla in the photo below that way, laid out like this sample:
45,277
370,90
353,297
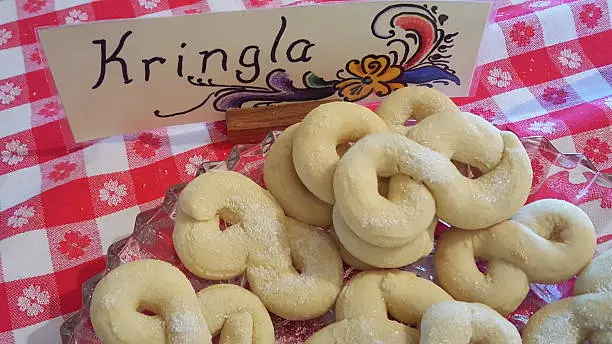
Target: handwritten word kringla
249,59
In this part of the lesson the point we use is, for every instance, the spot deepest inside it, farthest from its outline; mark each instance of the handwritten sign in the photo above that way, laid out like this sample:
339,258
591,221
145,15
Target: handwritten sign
123,76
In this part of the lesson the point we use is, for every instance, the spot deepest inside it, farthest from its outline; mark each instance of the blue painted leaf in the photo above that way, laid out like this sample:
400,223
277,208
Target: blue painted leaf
426,74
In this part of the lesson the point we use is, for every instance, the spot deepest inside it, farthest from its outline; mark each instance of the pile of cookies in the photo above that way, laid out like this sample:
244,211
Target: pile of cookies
349,184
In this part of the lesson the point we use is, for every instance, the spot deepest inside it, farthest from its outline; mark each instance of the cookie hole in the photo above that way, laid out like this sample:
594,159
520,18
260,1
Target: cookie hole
342,148
482,265
297,266
410,122
466,170
223,225
556,235
226,219
145,311
392,318
383,186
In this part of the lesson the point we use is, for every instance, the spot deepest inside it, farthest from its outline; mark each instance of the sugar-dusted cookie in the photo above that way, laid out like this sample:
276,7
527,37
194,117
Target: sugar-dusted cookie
260,241
326,127
364,305
454,322
547,241
285,185
236,314
151,285
383,257
584,317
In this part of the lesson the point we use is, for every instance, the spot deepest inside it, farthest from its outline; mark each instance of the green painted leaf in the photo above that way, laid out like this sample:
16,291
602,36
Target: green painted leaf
313,81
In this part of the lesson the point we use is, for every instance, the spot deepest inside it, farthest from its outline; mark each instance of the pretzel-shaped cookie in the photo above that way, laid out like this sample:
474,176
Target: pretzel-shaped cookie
364,304
413,102
547,241
237,314
441,126
326,127
284,183
454,322
261,240
439,189
586,316
153,285
382,257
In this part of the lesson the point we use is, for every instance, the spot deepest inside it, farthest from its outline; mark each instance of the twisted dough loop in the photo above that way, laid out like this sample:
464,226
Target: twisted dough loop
364,304
261,240
547,241
285,185
382,257
314,146
441,126
237,314
454,322
463,202
153,285
587,316
413,102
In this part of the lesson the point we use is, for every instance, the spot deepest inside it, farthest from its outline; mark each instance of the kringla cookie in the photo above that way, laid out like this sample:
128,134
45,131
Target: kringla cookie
314,146
413,102
364,305
441,126
383,257
438,188
348,258
547,241
236,314
454,322
151,285
285,185
261,241
584,317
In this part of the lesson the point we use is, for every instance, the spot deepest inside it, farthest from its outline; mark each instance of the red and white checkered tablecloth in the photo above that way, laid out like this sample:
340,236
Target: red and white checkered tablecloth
546,69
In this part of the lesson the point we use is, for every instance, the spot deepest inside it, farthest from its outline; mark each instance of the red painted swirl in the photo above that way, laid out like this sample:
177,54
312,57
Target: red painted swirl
426,32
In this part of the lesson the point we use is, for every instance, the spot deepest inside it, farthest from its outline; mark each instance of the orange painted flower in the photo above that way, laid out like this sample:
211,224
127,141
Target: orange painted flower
373,74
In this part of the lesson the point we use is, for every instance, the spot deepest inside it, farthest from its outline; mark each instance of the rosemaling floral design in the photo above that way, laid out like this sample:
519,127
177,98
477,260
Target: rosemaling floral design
419,55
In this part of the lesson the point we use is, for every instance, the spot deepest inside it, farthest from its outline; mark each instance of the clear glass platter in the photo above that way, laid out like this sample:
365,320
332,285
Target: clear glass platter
571,177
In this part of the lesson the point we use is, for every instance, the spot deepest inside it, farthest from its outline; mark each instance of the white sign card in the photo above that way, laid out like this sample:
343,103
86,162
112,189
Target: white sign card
123,76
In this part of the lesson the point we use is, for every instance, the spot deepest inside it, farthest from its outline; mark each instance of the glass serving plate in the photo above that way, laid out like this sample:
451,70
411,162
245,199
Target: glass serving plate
571,177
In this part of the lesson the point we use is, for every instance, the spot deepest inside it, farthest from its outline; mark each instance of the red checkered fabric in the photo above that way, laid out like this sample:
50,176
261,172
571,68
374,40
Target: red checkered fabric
545,69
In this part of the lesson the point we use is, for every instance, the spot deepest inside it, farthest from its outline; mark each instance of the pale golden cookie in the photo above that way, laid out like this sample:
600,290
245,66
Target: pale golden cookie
383,257
261,241
438,189
584,317
364,305
151,285
314,146
348,258
454,322
413,102
237,314
547,241
285,185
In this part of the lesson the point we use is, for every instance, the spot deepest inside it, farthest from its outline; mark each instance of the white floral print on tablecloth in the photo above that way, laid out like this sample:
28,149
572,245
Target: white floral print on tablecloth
149,4
546,127
32,300
194,164
8,93
20,216
570,59
5,35
498,77
76,16
13,152
112,193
